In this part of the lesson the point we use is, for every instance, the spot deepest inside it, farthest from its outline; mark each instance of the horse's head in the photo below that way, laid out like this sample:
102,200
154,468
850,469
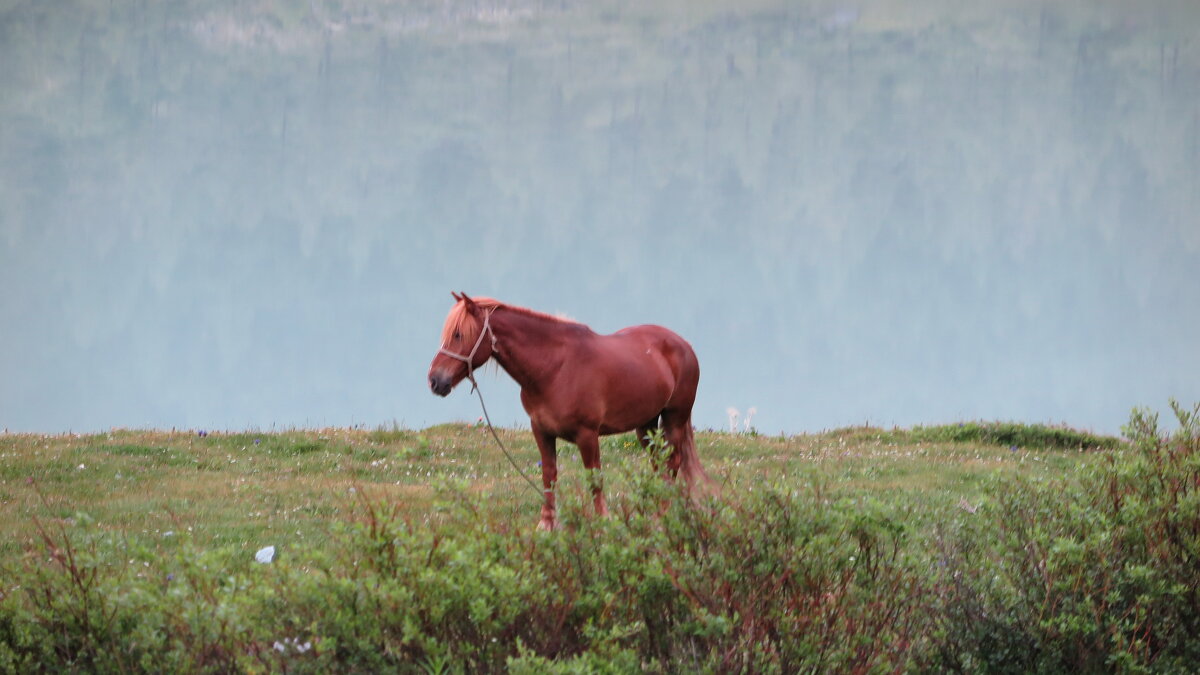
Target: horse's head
467,342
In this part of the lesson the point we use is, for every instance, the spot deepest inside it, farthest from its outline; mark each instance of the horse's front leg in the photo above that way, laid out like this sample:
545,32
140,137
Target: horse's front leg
589,448
545,443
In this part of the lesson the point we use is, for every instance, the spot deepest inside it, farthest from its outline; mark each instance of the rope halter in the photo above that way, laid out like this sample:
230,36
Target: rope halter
470,358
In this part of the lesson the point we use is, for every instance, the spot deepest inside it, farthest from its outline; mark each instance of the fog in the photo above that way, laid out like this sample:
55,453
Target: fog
232,215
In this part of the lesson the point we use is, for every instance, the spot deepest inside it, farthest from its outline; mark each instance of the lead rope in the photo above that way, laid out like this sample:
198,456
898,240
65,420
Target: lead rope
475,388
487,328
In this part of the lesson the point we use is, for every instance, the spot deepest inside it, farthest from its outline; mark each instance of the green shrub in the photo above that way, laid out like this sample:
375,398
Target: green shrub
1097,572
769,582
1036,436
1095,576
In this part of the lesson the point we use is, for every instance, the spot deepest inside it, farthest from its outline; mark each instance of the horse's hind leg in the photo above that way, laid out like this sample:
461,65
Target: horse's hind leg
677,428
673,432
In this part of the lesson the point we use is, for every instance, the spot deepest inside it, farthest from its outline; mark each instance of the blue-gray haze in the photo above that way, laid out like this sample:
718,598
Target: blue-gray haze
239,214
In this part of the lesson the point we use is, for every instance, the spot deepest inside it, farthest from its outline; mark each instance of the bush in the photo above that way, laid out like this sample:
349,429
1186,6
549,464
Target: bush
1036,436
1095,576
777,583
773,582
1099,573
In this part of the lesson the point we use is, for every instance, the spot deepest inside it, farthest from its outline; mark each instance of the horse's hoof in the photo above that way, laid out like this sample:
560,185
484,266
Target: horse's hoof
547,525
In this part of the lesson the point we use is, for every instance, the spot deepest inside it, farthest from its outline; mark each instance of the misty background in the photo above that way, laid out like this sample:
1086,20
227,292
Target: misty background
250,214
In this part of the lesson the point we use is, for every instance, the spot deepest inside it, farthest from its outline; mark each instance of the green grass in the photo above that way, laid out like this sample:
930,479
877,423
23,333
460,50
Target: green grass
248,488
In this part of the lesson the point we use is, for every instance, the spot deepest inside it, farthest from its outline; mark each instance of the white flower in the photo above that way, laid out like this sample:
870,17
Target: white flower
749,415
293,643
265,554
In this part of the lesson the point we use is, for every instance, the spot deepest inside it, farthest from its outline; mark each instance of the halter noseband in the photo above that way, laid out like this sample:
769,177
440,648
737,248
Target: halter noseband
469,358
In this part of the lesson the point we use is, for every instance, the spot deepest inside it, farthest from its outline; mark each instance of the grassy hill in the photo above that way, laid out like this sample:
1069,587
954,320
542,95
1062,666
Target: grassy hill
287,487
975,547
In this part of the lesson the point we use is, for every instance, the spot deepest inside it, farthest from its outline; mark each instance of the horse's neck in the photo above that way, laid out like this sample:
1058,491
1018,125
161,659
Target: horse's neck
529,348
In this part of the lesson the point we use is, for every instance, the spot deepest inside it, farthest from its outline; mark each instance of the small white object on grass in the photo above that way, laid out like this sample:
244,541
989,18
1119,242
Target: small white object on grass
265,554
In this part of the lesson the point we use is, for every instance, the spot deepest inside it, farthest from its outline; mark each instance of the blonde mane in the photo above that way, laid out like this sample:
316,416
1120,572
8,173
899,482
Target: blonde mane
460,321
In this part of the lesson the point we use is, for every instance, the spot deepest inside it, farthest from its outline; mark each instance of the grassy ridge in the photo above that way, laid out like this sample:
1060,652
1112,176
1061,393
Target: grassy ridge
857,550
243,488
1014,435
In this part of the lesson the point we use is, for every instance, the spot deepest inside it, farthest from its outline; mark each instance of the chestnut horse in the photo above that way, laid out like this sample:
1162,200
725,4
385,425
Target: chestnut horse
577,385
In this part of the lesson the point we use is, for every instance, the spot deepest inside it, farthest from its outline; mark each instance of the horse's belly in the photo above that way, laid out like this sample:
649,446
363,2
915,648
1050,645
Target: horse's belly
608,410
609,429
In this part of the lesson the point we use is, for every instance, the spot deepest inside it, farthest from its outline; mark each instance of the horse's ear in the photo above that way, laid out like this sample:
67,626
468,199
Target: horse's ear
456,296
472,307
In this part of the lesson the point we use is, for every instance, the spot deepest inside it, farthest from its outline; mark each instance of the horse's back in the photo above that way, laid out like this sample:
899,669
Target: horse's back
627,379
676,351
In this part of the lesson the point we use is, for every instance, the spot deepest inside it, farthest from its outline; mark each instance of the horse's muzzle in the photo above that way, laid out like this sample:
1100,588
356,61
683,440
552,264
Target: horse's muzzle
440,384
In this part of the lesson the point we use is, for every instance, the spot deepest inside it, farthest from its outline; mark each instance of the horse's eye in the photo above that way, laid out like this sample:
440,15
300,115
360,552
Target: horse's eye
457,335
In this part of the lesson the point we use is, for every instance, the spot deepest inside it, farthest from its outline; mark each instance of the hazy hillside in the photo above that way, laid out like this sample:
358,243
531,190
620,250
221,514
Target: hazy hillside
899,212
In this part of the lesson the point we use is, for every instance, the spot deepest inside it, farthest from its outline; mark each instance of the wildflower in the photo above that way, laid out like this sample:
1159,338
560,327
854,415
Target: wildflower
282,646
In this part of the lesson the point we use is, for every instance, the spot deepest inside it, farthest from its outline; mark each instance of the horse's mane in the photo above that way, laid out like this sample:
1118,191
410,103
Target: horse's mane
460,320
